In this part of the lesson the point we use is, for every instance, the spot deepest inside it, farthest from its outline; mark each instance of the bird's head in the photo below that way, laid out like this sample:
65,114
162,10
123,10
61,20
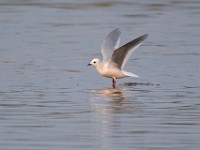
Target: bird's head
94,62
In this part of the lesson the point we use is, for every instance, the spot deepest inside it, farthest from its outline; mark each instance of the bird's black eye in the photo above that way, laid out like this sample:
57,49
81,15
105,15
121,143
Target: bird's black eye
94,62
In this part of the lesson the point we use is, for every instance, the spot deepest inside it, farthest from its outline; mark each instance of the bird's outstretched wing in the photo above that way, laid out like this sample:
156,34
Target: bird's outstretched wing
121,55
110,43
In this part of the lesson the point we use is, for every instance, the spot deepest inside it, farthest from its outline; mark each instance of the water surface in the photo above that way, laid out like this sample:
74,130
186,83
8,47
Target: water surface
50,99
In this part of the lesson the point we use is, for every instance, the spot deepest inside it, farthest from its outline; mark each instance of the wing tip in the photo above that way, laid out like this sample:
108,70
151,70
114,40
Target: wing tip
143,37
116,31
140,39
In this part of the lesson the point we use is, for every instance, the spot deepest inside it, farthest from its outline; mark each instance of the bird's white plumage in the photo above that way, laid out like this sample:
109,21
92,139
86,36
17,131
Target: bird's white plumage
115,57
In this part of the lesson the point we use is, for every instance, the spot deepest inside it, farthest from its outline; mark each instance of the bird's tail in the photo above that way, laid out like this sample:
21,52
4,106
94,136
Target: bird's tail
129,74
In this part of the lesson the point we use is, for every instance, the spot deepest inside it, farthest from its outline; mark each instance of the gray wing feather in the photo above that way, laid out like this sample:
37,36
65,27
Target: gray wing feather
121,55
110,43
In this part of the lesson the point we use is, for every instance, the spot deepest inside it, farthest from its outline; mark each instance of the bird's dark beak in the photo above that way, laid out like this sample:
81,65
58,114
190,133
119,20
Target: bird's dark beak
89,64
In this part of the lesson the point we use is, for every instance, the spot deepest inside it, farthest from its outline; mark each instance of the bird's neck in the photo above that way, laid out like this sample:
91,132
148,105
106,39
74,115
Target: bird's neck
100,67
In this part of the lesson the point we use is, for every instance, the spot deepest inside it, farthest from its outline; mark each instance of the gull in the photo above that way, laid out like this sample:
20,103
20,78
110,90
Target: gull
115,57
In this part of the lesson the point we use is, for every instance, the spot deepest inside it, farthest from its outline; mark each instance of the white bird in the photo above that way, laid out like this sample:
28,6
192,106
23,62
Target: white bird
115,57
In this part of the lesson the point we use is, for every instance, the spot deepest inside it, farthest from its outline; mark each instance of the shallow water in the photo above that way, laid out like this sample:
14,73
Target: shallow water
50,99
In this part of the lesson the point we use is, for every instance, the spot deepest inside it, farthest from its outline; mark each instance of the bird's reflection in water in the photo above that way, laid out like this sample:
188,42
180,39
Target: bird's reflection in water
110,108
109,101
114,95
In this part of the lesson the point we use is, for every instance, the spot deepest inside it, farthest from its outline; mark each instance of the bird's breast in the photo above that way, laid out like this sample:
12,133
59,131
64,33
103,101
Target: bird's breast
111,73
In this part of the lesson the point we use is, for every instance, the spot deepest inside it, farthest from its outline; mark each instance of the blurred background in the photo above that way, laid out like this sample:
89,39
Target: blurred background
50,99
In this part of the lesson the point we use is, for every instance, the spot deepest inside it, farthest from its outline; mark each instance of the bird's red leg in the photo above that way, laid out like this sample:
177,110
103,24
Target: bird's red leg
113,82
